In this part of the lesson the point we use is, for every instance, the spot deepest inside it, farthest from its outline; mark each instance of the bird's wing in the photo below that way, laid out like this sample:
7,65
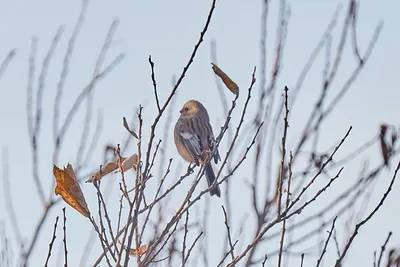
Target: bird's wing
213,146
192,143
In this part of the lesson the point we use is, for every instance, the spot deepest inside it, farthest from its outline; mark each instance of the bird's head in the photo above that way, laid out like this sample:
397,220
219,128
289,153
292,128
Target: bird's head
193,108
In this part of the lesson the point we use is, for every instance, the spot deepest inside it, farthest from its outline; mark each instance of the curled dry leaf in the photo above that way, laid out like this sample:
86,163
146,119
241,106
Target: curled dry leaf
111,166
126,164
138,252
129,163
69,189
232,86
128,129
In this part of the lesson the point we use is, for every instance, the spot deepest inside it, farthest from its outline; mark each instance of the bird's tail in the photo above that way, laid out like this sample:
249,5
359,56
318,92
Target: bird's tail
210,179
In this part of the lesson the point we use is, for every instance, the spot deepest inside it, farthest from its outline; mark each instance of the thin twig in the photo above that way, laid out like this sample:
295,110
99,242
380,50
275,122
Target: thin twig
155,197
102,241
153,78
185,232
102,233
300,209
228,234
119,213
227,254
65,239
100,195
326,242
321,169
282,166
287,192
191,248
140,184
354,6
51,242
265,260
383,248
6,61
336,243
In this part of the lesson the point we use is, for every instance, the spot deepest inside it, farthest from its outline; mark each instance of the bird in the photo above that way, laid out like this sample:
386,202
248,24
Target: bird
195,142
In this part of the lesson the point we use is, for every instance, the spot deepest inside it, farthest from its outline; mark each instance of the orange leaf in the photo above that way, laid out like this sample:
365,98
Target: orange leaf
232,86
69,189
138,252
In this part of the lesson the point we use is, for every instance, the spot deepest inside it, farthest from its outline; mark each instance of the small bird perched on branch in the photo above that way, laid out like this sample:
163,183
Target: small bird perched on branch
194,140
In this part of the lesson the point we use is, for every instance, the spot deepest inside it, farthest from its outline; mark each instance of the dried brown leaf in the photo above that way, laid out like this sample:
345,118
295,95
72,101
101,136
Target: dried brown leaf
230,84
111,166
126,164
128,129
69,189
129,163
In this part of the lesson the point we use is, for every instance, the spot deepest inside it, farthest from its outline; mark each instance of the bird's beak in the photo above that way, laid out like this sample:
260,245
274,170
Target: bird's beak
180,111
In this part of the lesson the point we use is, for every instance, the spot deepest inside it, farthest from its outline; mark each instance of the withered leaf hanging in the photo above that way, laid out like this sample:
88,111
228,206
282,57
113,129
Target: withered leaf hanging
126,164
69,189
230,84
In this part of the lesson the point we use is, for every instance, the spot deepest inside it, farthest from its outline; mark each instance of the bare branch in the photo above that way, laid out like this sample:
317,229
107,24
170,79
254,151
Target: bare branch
6,61
227,254
51,243
153,78
229,234
65,239
100,195
282,168
288,188
191,248
326,242
383,248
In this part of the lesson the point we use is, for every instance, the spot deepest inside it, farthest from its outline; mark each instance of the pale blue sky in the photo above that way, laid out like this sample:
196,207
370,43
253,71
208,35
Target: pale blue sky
168,31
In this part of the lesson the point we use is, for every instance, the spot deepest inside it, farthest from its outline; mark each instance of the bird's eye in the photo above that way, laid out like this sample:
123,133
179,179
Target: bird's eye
186,109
